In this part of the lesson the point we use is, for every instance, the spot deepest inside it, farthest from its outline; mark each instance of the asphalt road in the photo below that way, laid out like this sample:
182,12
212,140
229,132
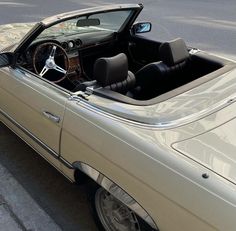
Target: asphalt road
65,203
206,24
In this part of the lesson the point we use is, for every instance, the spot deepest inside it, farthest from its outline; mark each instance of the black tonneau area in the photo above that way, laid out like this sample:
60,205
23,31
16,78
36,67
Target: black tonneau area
205,67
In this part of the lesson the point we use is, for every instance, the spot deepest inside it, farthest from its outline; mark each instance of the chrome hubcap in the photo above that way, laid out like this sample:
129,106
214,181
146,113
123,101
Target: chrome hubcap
113,214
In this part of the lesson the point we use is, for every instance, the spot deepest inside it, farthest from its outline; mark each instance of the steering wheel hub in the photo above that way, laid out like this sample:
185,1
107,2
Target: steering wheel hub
50,63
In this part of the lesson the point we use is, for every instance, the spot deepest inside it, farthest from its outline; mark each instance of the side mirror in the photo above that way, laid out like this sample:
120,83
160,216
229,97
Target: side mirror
6,59
141,27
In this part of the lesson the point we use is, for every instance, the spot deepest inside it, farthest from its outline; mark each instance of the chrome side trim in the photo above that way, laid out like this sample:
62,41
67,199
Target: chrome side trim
116,191
66,163
36,140
162,125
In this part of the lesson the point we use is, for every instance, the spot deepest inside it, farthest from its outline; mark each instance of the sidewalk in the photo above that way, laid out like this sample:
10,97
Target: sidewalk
18,211
34,196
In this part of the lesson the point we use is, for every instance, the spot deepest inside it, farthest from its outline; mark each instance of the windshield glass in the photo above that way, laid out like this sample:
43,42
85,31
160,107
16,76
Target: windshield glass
107,21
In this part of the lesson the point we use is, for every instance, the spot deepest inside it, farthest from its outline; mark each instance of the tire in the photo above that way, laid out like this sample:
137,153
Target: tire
112,215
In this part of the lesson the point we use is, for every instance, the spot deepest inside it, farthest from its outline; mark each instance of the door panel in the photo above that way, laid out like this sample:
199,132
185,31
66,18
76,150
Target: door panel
28,100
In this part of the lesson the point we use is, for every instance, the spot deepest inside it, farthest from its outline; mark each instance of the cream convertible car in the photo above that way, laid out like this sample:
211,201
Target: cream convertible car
151,124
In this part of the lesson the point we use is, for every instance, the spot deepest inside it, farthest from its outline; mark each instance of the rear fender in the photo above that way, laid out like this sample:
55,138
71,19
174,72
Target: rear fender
116,191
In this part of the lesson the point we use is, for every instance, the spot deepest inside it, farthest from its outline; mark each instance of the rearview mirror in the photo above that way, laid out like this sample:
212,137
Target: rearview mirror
88,22
6,59
141,27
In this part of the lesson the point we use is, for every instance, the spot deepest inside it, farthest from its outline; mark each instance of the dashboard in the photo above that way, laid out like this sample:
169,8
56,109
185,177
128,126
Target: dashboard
80,51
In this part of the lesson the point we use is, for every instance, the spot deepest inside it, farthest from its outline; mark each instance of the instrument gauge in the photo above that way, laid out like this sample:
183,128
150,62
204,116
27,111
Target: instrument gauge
71,44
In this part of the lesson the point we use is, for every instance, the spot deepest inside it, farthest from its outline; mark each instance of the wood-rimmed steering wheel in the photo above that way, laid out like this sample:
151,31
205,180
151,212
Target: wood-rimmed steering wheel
51,61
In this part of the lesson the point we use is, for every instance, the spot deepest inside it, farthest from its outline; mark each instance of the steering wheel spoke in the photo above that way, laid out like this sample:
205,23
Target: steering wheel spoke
59,69
53,52
44,70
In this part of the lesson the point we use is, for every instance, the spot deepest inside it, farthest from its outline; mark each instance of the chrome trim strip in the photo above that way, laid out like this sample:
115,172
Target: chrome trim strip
66,163
161,126
99,111
36,140
116,191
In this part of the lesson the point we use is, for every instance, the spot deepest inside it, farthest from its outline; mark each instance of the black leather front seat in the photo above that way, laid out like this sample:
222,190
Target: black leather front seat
159,77
111,73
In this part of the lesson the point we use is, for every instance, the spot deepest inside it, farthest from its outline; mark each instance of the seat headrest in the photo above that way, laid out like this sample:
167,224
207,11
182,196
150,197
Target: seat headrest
173,52
111,70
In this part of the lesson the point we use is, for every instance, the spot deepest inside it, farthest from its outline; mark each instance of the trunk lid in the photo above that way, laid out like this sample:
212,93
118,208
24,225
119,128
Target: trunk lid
215,148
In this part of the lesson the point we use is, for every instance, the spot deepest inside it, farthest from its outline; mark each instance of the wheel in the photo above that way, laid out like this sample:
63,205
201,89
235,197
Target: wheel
112,215
51,62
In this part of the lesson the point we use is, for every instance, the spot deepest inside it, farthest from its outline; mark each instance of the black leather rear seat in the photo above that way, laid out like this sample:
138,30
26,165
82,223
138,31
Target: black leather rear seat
159,77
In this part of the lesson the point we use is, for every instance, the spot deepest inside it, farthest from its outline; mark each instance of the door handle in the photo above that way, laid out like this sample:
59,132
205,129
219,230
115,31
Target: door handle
54,118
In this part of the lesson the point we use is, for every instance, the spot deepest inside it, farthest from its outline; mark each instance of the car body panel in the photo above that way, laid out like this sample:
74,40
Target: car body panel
214,149
26,98
127,149
146,150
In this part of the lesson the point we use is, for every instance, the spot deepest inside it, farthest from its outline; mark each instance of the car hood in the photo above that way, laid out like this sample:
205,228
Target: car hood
11,34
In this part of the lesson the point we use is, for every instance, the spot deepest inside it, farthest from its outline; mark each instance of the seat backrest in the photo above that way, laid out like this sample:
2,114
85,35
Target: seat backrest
159,77
112,73
173,52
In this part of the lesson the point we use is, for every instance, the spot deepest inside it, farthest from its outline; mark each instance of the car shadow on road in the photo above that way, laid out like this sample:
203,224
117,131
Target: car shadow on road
64,202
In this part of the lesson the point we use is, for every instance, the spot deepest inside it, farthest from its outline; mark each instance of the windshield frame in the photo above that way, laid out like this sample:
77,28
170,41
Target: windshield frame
107,22
50,21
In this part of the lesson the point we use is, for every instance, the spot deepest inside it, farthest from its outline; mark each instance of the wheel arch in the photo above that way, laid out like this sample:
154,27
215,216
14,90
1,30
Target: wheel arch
115,190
